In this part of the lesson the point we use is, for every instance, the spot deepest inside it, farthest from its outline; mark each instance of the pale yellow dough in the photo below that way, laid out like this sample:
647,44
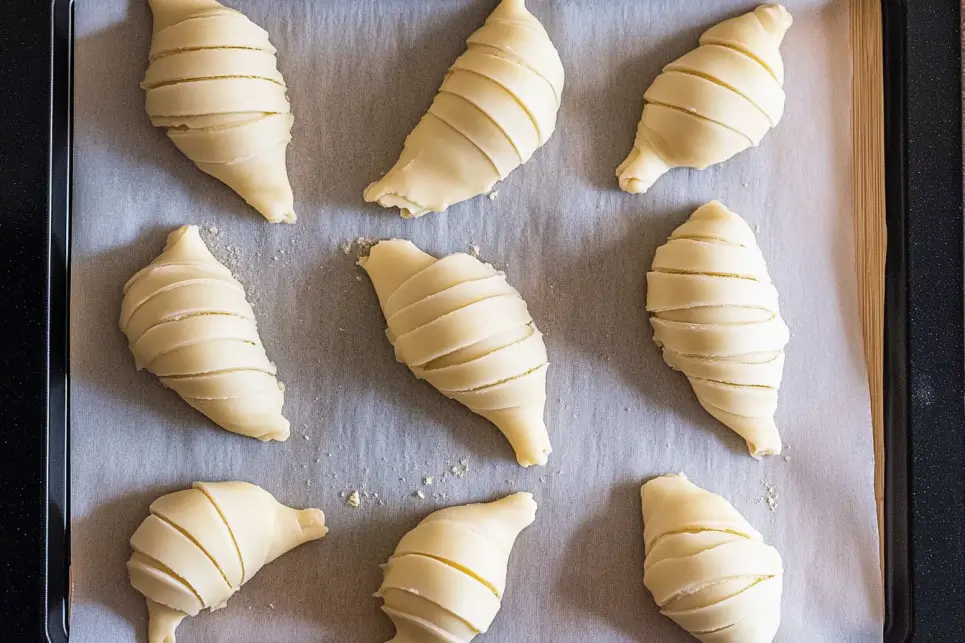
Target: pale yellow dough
214,84
497,105
199,546
460,326
187,321
706,567
445,581
714,312
714,102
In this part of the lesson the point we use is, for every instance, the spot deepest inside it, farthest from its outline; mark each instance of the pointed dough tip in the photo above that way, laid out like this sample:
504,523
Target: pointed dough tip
775,18
641,169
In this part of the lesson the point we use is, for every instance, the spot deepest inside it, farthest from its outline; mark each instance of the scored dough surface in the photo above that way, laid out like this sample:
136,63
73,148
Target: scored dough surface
497,105
213,82
187,320
199,546
713,102
706,567
715,313
446,578
458,324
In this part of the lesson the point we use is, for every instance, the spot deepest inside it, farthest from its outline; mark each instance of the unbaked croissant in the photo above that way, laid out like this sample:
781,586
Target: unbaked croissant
497,105
706,567
459,325
713,102
199,546
187,321
445,581
714,312
214,84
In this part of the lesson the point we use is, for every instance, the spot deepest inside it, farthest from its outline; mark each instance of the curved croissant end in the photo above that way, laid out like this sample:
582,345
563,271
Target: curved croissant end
213,82
457,323
496,107
714,311
445,581
714,102
199,546
187,320
706,567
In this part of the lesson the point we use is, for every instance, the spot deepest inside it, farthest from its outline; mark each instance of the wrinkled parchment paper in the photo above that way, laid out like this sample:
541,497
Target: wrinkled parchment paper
361,73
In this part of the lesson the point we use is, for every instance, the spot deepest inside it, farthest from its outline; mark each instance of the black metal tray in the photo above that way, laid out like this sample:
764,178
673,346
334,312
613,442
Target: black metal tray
924,330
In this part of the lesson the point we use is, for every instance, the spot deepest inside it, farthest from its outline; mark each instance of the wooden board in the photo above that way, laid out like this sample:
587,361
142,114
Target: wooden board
868,207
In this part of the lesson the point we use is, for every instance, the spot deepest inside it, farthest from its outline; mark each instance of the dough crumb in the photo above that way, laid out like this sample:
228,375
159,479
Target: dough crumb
306,436
361,246
474,250
787,458
271,605
419,494
354,500
461,469
428,480
493,195
213,229
770,496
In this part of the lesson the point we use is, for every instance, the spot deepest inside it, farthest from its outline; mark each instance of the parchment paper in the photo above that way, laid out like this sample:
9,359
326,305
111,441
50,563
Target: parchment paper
361,73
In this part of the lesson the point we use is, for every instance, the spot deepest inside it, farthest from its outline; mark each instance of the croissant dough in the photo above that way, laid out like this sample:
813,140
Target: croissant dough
214,84
459,325
187,321
445,581
713,102
199,546
714,312
706,567
497,105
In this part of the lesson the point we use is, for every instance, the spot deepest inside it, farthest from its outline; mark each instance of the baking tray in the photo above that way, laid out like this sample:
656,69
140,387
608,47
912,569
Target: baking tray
924,328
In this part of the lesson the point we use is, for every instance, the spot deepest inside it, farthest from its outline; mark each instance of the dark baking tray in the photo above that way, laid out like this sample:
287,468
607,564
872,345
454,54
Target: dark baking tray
924,329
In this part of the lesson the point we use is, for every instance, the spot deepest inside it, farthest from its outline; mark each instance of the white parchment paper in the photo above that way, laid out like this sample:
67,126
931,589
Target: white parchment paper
361,73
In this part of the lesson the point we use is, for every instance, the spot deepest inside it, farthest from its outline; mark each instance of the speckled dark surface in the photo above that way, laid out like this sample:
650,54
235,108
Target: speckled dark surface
934,193
24,74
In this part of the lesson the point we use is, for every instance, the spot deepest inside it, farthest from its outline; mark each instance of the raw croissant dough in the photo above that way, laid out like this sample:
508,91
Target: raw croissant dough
199,546
706,567
496,106
459,325
214,84
187,321
445,581
715,313
714,102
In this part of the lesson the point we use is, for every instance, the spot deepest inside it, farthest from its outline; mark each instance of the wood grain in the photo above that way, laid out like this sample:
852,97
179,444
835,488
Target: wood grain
868,207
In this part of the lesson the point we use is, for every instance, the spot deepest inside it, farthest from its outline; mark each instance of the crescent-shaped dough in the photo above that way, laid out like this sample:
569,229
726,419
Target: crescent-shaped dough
457,323
706,567
213,82
199,546
497,105
714,311
445,581
714,102
187,321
